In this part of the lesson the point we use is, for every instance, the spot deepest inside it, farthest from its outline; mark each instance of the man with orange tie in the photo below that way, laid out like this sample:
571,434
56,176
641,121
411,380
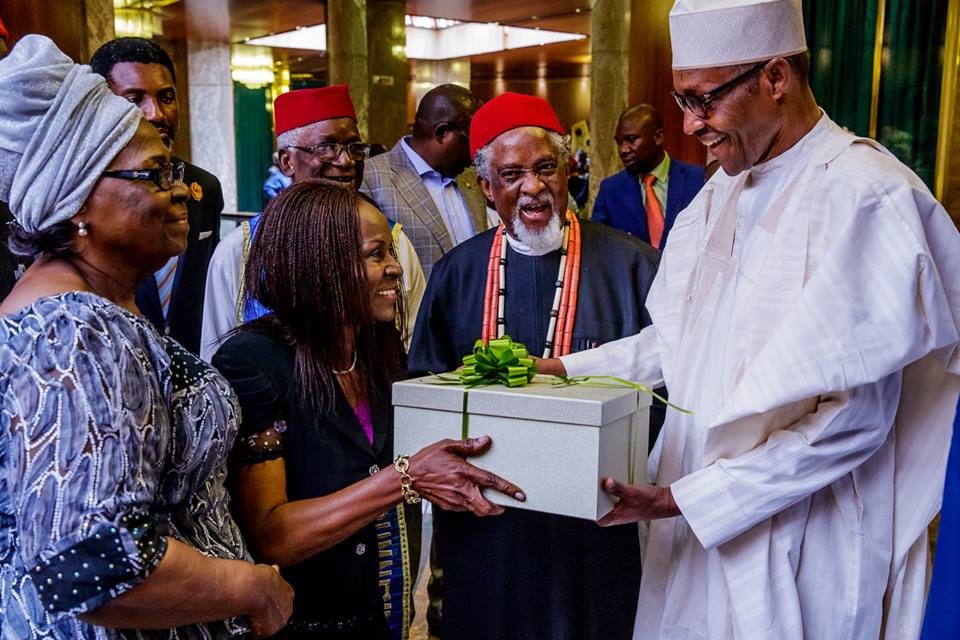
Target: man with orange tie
645,198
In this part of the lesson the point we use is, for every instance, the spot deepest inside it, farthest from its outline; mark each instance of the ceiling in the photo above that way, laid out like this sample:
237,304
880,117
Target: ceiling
205,20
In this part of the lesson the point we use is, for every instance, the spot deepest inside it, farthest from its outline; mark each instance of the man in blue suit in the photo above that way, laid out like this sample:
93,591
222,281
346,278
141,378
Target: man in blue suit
633,200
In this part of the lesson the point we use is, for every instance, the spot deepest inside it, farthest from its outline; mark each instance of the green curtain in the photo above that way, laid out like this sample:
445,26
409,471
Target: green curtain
909,108
841,36
254,144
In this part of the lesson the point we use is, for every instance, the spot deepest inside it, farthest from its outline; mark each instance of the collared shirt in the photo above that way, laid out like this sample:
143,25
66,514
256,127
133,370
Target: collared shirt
662,174
445,194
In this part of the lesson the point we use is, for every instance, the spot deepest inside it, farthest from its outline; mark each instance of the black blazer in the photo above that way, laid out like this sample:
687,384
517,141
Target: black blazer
184,320
12,266
323,453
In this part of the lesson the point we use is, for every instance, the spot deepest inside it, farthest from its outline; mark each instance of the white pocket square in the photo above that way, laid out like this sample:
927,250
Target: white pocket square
204,235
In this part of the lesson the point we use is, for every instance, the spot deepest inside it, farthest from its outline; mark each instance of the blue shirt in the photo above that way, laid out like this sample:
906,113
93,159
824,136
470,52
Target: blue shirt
445,194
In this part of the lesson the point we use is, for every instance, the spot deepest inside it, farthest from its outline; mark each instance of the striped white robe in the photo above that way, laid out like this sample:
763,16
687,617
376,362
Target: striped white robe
810,325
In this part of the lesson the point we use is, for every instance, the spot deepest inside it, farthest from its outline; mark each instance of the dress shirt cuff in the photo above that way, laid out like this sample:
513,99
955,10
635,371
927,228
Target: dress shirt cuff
633,358
590,361
708,506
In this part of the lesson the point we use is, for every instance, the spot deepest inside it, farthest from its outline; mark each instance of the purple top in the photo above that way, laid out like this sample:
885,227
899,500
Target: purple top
362,411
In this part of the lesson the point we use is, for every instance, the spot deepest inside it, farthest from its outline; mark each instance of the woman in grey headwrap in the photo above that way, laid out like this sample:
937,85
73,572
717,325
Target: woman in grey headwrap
113,439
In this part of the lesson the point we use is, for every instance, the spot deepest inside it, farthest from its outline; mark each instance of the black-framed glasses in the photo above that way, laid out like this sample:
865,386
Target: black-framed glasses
698,105
330,151
163,176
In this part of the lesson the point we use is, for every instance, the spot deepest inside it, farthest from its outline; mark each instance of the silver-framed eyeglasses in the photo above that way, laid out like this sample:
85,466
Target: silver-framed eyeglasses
163,176
330,151
699,105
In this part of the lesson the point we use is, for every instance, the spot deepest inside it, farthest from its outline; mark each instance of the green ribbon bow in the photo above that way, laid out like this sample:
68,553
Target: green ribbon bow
503,361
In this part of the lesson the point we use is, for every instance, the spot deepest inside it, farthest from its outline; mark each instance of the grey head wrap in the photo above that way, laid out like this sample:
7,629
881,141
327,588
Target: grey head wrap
60,127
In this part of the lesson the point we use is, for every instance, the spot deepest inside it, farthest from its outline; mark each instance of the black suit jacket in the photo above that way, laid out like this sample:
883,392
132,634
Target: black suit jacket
11,265
186,304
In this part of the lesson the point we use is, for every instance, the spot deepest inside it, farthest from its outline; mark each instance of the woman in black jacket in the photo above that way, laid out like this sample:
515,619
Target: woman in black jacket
313,477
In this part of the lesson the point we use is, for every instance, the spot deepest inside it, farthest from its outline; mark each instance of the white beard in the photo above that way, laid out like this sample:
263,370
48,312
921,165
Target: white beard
536,242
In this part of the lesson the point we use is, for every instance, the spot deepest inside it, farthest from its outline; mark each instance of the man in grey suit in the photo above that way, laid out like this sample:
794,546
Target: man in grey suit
422,182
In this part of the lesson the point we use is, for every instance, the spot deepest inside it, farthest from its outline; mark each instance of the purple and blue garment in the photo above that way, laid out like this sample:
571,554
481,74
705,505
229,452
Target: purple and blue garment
112,439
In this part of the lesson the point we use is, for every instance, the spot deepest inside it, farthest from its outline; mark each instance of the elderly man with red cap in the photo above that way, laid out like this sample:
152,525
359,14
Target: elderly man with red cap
807,311
318,139
564,285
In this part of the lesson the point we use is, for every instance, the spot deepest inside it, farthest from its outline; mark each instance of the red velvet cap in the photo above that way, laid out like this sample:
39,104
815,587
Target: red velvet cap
301,107
508,111
4,34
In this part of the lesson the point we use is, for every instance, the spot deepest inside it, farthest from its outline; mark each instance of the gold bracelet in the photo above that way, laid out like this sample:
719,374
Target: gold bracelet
402,465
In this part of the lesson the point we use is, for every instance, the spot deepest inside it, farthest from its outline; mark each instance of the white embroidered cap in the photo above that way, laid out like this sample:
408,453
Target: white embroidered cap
721,33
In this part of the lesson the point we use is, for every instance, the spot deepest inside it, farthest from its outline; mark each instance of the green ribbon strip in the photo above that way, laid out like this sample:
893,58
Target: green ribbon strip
506,362
615,383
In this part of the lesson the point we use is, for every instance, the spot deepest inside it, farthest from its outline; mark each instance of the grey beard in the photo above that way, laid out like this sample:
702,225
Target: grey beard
539,241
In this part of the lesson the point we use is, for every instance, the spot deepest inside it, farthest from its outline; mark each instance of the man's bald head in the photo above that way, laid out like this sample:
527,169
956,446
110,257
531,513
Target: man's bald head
446,104
441,128
640,111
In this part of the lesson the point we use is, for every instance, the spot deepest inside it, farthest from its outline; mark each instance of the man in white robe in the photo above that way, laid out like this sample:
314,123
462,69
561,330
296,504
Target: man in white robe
310,124
806,310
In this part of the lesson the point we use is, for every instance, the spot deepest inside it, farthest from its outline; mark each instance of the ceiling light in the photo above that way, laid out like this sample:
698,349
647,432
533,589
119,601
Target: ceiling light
436,39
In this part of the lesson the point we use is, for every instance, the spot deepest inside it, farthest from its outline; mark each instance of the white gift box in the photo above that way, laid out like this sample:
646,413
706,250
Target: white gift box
556,442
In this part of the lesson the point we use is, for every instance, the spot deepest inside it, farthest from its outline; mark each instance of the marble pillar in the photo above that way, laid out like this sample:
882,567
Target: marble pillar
211,115
948,138
98,19
178,53
347,53
609,66
427,74
387,66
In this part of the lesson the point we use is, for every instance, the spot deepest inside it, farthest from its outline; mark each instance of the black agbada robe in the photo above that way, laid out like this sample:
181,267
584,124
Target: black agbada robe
526,574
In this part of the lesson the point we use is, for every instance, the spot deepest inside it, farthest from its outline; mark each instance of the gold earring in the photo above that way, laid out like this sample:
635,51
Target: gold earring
82,230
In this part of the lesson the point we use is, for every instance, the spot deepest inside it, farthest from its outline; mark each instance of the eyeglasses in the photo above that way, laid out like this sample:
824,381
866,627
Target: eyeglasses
699,105
163,176
330,151
546,172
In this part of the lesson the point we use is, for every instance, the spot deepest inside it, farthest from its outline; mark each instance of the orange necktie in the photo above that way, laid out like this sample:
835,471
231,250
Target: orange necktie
654,211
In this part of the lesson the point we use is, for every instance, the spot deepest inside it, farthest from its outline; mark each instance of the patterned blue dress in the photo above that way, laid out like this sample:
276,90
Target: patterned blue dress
111,439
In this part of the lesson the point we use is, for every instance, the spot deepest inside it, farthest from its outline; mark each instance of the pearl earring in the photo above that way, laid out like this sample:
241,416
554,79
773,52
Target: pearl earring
82,230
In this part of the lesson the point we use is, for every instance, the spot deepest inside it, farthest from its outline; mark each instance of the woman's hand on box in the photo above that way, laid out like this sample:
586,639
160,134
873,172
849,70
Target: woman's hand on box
638,502
442,475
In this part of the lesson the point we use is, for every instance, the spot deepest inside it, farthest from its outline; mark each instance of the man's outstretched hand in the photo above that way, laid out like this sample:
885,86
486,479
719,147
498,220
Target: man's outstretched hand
638,502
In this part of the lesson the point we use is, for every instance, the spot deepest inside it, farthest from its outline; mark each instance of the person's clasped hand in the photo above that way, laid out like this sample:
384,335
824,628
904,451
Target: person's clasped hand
273,602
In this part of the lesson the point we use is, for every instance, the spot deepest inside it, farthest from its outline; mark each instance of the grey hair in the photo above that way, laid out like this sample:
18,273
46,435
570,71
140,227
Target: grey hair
481,159
288,138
